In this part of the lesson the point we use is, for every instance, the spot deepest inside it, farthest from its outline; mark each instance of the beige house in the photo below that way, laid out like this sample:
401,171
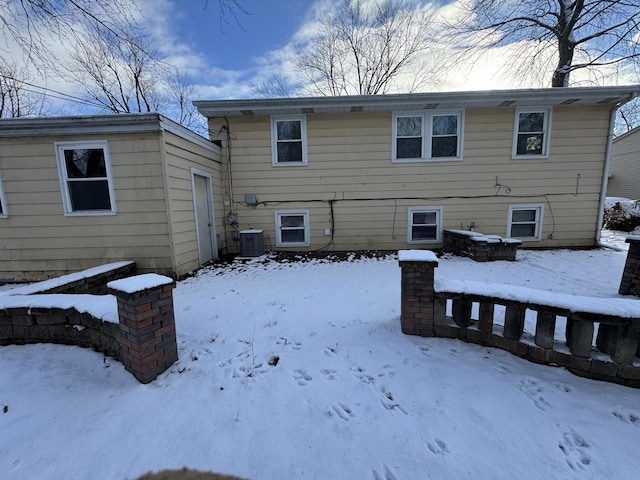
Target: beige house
77,192
393,171
624,172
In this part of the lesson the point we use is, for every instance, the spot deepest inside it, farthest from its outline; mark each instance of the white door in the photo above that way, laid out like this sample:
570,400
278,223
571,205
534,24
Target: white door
203,204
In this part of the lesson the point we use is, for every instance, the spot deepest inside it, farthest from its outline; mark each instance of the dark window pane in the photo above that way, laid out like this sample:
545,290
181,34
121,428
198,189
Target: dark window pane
531,122
289,152
91,195
292,220
444,147
409,148
289,130
423,233
523,231
292,236
1,210
529,144
445,125
409,127
523,216
424,218
85,163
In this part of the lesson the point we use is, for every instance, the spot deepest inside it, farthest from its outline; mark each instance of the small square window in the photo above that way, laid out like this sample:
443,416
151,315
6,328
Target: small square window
289,141
525,222
85,178
424,225
531,136
292,228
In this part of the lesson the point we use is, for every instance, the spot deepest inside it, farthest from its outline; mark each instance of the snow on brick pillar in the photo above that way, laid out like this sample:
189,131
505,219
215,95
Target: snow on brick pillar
630,283
147,324
416,291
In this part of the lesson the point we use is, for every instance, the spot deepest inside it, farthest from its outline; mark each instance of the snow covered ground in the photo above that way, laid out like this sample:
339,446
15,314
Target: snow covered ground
299,370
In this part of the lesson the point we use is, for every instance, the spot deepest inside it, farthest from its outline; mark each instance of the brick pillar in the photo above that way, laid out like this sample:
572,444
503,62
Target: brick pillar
416,291
147,336
630,283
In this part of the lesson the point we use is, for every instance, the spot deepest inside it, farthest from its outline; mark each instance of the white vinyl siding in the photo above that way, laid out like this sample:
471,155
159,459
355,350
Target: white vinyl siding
424,225
85,178
289,140
292,228
433,136
525,221
531,133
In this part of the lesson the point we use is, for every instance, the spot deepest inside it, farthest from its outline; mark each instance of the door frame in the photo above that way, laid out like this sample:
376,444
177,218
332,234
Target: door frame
212,216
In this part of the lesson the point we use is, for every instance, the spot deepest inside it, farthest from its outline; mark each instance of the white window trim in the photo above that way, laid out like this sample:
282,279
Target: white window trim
438,211
539,207
305,214
427,129
62,173
274,140
3,201
546,131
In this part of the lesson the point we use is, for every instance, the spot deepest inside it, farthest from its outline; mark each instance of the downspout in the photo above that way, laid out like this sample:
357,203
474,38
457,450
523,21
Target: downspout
605,174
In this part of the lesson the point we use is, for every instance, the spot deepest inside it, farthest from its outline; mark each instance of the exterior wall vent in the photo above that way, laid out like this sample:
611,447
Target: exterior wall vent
251,243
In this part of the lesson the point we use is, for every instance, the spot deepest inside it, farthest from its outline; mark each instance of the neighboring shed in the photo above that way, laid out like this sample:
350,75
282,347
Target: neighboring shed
624,171
76,192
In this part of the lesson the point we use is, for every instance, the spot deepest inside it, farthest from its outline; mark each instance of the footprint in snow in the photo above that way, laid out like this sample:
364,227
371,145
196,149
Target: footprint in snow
532,389
342,411
389,402
302,376
385,475
575,449
628,417
425,350
437,447
329,374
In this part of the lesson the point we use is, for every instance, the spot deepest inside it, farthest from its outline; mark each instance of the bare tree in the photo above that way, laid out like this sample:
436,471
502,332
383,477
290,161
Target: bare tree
119,73
579,34
179,103
16,99
366,48
277,86
34,25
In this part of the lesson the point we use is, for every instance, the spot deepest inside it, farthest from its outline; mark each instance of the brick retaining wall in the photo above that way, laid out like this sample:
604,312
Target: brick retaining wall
423,312
143,338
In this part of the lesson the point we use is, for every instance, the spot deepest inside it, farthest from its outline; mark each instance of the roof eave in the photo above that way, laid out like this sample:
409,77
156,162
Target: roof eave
417,101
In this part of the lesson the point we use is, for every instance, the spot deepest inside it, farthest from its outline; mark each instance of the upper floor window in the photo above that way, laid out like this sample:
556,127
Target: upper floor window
3,202
85,178
427,136
289,140
531,135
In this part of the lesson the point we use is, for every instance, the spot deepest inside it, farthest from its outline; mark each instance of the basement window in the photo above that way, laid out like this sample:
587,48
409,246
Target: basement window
85,178
292,228
525,221
424,225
